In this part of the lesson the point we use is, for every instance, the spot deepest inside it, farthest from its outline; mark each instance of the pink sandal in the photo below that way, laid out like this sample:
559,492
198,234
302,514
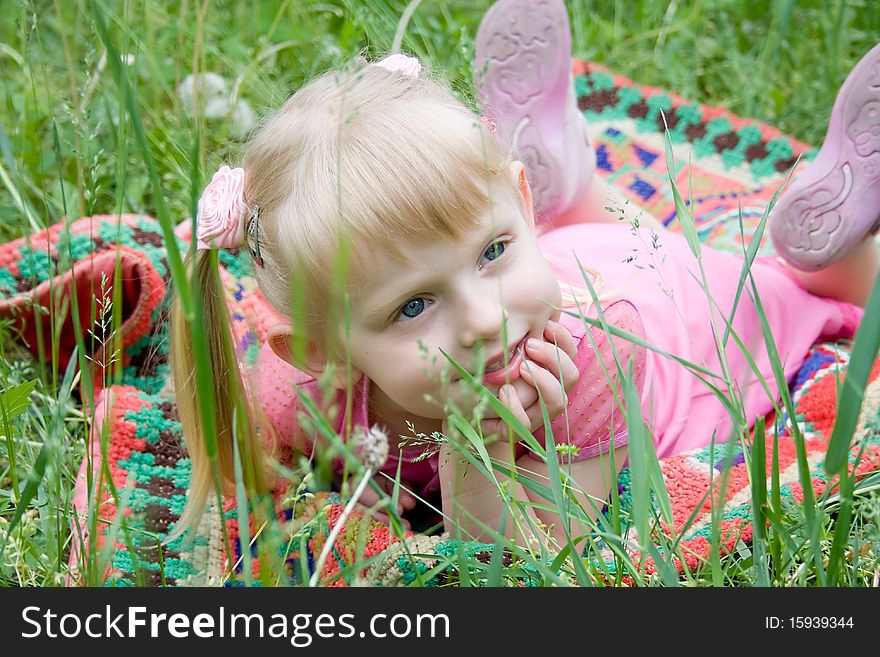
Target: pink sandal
522,74
834,202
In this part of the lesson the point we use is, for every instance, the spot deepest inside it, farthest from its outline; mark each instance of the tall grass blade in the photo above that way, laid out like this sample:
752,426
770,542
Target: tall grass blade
841,540
496,563
175,262
751,252
640,449
35,480
852,392
688,227
758,466
243,515
809,501
118,524
186,294
560,499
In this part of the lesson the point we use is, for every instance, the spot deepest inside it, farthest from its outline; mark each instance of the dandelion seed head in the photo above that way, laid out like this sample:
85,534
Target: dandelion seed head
217,101
373,444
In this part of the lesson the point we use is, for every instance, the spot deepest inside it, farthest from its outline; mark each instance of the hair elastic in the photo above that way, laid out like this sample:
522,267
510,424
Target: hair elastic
253,237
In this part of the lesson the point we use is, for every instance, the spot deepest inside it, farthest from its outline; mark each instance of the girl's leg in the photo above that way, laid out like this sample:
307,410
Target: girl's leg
848,279
602,203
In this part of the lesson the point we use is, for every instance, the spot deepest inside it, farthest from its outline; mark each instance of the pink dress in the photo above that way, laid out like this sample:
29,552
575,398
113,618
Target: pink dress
665,285
652,291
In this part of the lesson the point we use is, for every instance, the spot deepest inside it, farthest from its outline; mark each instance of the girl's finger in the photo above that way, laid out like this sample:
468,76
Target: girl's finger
551,392
371,500
382,517
405,499
525,390
533,419
554,360
507,396
556,333
369,497
494,428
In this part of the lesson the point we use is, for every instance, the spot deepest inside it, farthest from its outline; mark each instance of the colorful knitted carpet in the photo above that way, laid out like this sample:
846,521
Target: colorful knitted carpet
729,166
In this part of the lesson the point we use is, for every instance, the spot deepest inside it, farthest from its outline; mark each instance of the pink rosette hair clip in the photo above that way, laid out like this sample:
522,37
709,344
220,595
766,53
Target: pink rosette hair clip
403,64
222,213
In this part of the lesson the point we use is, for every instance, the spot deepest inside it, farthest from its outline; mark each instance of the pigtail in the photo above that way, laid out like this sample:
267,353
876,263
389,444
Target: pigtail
231,412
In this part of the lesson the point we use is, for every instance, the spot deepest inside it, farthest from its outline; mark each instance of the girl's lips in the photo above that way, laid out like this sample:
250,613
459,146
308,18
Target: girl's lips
507,374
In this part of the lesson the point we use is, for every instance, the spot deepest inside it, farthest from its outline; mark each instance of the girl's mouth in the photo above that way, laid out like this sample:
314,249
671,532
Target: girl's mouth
505,368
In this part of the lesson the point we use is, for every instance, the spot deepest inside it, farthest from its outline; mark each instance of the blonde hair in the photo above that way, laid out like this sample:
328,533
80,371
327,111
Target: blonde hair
360,155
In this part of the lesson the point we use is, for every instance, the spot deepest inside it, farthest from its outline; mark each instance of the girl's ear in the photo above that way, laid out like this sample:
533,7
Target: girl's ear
307,357
518,171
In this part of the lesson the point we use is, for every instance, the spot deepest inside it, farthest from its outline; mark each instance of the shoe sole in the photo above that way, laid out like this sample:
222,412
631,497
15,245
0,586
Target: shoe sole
520,44
835,202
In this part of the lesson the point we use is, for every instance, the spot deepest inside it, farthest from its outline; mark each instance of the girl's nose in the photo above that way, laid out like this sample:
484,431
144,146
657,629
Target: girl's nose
482,318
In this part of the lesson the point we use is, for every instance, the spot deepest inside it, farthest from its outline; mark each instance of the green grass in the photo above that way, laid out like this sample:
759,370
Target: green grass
81,134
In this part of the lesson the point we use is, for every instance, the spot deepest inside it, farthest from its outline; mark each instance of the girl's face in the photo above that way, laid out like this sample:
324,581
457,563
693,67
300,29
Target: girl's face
477,299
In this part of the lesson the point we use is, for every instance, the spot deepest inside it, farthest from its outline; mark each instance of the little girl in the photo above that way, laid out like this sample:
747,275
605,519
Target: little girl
398,231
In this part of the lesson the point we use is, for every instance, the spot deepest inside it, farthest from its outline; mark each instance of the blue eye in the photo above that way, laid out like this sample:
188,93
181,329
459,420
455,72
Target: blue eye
495,250
413,308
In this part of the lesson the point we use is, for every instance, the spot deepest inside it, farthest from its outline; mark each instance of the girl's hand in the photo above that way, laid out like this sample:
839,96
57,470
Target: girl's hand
545,365
405,501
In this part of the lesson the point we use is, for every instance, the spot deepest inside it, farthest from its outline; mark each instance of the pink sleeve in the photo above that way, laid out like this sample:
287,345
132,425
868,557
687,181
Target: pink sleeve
276,385
593,415
274,382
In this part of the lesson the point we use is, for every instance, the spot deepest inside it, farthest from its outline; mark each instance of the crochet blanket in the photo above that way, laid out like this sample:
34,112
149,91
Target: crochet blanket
735,166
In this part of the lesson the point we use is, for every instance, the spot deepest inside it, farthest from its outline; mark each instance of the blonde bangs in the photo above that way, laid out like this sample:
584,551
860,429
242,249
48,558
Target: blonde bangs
435,186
